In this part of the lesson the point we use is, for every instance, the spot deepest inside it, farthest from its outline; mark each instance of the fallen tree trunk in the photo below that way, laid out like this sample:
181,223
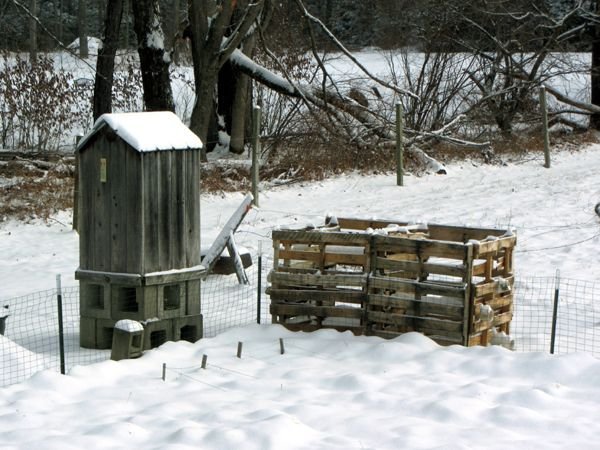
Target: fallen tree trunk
330,101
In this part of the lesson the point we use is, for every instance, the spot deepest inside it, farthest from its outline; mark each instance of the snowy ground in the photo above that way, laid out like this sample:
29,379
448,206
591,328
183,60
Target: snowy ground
333,390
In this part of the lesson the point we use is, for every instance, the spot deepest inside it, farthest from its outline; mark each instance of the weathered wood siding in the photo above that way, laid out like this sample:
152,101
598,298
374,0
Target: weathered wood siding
146,217
110,213
171,184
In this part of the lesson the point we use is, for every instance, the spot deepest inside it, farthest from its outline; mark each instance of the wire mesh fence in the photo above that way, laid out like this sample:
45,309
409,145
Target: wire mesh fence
557,315
31,327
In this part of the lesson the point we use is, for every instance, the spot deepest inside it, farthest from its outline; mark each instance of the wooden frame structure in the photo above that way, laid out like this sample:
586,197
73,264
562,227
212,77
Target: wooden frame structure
139,228
385,278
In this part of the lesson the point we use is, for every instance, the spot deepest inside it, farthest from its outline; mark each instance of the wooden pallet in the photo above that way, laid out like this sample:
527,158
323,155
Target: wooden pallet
386,278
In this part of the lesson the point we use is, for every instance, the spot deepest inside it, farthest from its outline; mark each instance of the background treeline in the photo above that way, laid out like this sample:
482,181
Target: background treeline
443,25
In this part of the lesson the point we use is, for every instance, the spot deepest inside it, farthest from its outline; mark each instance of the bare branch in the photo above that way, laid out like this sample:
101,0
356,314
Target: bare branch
26,10
346,52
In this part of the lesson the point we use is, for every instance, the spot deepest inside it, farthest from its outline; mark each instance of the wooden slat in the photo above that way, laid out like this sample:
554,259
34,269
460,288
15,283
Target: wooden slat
175,277
193,256
313,257
295,269
415,267
363,224
124,279
285,278
437,231
503,318
468,295
489,288
151,184
479,268
118,210
180,178
288,309
423,248
293,295
410,286
462,234
485,248
429,323
135,220
344,258
315,237
412,305
500,302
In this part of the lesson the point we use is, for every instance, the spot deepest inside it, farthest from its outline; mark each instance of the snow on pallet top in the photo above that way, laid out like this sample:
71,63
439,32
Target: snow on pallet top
147,131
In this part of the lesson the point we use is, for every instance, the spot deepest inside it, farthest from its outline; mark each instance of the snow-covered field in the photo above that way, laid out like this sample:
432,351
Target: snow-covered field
329,389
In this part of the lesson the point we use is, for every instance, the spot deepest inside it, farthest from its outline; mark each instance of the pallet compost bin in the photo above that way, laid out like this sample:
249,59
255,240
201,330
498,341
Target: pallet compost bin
385,278
139,228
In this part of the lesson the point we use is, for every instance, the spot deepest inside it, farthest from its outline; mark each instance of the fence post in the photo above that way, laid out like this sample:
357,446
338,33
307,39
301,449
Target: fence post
259,284
61,335
399,150
555,311
76,186
544,108
255,152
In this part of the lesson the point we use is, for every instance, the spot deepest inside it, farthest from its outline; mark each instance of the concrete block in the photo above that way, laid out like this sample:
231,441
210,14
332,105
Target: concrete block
192,307
94,299
87,332
135,303
104,333
172,300
157,332
128,340
188,328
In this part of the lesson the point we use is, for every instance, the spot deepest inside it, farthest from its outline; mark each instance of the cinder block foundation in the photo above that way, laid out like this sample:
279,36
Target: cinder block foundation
189,328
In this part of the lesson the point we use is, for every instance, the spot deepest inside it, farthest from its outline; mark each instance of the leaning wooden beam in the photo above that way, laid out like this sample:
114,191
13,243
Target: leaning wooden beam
222,239
237,260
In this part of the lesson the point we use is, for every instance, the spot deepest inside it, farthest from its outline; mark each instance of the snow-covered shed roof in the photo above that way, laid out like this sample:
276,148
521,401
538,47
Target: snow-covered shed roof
147,131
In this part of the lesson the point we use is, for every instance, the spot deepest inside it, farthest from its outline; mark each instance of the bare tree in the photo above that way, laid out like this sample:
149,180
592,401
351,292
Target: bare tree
82,26
33,31
106,59
214,36
154,60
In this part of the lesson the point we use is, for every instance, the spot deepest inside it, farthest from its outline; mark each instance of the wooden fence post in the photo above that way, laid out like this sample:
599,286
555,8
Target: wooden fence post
255,152
76,187
399,150
544,109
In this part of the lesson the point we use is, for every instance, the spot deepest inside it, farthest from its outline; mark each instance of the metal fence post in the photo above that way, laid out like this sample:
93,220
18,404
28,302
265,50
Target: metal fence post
61,334
259,284
555,311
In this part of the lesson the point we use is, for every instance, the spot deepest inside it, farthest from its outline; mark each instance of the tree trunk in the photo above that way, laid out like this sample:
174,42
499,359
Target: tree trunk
33,32
595,72
210,25
82,26
205,54
106,59
239,113
59,25
154,62
239,109
126,17
175,30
